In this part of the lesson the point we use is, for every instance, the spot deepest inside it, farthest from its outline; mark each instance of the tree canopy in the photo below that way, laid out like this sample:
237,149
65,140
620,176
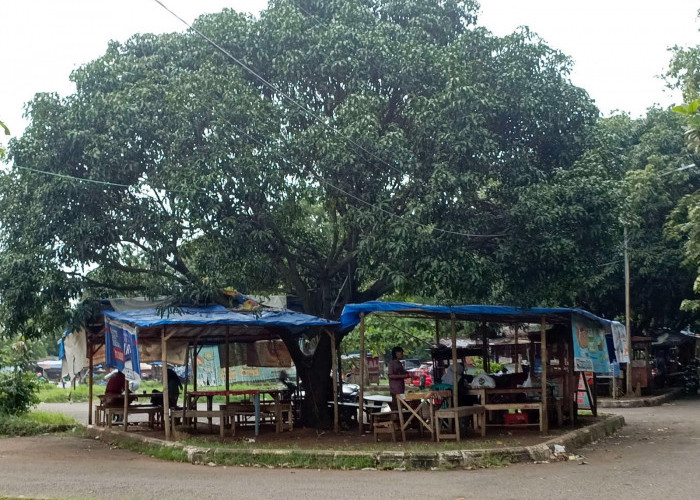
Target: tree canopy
333,150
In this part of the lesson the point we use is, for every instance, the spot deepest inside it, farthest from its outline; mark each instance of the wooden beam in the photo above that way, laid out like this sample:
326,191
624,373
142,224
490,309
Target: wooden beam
336,423
166,399
485,349
544,356
455,381
361,409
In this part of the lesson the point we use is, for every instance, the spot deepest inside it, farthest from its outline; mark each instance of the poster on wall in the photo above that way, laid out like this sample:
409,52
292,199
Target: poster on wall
121,349
590,349
619,335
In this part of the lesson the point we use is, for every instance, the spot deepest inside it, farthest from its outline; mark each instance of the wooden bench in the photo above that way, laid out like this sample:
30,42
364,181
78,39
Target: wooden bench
155,414
237,414
478,413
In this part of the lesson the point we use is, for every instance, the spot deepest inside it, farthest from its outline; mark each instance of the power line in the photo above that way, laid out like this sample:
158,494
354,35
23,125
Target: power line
306,111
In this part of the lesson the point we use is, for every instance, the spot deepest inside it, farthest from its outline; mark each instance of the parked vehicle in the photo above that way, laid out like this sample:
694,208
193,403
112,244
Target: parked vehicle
421,377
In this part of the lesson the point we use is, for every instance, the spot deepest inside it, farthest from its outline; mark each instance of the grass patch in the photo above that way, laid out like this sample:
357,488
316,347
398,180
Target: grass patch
295,460
491,460
369,446
34,423
172,453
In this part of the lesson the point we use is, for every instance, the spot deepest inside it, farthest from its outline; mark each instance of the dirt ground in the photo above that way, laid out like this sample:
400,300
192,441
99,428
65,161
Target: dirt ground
654,456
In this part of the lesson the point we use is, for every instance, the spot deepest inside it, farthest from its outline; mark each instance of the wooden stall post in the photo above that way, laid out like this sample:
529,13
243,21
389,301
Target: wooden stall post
485,353
164,375
361,409
228,358
90,373
126,403
544,424
517,352
336,427
455,381
437,333
194,365
187,380
594,400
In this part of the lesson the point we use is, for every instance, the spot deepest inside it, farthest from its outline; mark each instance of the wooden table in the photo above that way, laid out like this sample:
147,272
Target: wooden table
104,413
426,398
192,397
486,396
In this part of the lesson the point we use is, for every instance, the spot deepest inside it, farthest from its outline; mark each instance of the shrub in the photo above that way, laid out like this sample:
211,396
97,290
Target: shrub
17,391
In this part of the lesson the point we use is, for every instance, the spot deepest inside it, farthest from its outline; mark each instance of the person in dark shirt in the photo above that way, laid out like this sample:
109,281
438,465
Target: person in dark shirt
397,375
174,386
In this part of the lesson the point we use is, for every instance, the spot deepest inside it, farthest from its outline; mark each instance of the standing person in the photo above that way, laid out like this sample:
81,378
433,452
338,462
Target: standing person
174,386
397,375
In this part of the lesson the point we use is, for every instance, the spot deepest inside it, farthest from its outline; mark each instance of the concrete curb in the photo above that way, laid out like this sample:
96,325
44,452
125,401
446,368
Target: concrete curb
384,459
640,402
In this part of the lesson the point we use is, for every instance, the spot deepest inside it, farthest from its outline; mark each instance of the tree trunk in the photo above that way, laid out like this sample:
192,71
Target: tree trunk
314,372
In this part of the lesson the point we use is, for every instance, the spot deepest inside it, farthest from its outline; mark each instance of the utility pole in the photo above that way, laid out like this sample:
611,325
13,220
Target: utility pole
627,318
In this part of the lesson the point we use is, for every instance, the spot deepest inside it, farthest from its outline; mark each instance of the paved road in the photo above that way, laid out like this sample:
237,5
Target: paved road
655,455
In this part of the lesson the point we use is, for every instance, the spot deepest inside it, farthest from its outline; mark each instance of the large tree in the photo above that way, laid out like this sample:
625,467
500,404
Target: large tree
338,151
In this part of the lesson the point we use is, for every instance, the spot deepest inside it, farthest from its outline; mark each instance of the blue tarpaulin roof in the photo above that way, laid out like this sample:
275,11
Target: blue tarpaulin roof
185,319
351,313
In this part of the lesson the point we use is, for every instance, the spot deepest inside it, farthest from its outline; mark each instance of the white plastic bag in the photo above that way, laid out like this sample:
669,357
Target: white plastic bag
483,381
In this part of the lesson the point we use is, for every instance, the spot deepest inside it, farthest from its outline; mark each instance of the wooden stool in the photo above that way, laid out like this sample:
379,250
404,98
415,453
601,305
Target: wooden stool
477,412
385,423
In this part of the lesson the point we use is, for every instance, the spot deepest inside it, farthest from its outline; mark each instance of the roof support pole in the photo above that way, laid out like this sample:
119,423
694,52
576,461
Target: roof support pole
544,424
361,410
91,371
126,404
334,354
455,381
228,362
194,365
485,347
164,374
517,355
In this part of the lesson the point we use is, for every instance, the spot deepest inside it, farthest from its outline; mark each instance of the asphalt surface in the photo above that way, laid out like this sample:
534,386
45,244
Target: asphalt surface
656,454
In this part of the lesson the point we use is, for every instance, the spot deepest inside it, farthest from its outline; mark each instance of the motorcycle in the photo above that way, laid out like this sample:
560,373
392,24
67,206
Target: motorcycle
691,381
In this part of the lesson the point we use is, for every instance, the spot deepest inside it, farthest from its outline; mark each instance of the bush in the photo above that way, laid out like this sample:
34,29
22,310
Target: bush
17,391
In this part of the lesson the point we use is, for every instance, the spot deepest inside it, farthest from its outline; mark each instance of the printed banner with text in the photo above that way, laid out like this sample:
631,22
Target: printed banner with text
122,350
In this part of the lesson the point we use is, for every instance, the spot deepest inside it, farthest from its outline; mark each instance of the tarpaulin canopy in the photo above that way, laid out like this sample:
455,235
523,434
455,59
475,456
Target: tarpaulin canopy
351,313
213,323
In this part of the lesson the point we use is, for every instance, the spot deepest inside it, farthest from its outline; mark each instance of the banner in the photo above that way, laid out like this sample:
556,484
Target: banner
590,349
619,335
122,350
582,400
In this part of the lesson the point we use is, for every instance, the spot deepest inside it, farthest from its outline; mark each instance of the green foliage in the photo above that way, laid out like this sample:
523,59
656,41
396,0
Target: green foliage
35,423
7,132
18,385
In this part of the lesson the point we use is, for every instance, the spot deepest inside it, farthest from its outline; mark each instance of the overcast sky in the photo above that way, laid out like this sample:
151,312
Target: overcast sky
619,46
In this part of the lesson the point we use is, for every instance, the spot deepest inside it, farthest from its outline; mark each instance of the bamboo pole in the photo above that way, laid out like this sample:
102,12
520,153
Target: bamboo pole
437,333
336,426
166,399
361,409
91,370
455,382
543,355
